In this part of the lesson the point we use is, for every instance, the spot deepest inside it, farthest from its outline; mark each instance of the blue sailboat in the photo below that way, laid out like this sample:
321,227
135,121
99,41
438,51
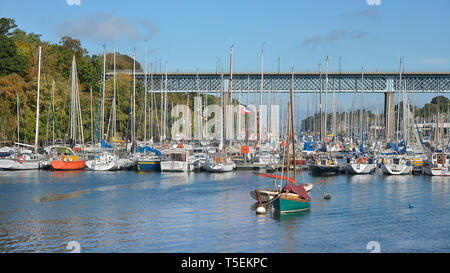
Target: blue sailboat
149,159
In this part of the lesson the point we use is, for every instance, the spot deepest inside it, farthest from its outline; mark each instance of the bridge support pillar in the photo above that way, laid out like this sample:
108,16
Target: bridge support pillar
389,116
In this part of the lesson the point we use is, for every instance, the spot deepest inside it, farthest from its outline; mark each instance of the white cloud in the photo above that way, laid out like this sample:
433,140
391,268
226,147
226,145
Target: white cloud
106,27
73,2
335,35
373,2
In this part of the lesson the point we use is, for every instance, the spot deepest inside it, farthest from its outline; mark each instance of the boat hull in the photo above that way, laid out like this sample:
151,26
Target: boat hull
219,168
176,166
395,169
287,203
324,170
437,171
101,166
268,194
265,195
354,168
11,164
59,165
148,166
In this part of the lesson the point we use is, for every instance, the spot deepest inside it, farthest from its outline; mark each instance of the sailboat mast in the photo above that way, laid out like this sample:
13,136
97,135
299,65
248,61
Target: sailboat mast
151,102
37,103
398,109
405,120
53,108
261,97
114,98
320,103
145,90
92,119
161,115
288,140
326,99
436,133
166,120
361,107
246,118
292,129
103,92
18,135
133,121
228,100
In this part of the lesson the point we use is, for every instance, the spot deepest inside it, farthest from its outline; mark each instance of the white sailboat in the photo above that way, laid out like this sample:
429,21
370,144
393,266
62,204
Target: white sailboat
361,164
219,162
106,161
395,165
23,159
438,164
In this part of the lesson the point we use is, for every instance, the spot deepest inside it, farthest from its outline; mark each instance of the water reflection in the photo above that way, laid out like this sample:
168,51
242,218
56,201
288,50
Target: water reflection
66,174
440,179
396,178
222,176
362,178
56,197
289,217
440,184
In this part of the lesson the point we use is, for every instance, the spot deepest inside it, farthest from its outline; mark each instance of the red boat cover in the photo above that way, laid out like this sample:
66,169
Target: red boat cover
290,185
298,189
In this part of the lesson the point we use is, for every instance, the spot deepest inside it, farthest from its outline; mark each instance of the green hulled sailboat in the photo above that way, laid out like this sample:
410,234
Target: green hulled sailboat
293,197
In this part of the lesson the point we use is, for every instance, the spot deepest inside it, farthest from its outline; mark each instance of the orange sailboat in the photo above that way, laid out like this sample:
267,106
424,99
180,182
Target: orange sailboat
64,158
67,160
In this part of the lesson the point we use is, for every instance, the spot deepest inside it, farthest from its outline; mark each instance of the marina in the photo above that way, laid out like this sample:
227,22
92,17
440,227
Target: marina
116,140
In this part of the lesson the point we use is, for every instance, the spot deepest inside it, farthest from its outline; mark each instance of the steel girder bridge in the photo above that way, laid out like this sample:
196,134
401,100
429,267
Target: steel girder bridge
303,82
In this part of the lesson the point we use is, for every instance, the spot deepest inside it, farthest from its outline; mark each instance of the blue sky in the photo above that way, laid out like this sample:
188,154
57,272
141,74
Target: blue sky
192,35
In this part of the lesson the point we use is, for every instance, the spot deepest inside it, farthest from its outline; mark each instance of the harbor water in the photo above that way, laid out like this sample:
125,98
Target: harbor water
127,211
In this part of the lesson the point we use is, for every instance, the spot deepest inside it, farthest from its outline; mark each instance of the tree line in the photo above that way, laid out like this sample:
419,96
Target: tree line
18,88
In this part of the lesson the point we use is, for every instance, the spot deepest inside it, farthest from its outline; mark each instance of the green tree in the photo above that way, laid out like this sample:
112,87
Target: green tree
10,60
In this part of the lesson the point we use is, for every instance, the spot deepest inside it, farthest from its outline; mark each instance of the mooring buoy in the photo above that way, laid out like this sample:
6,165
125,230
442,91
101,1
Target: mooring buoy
260,210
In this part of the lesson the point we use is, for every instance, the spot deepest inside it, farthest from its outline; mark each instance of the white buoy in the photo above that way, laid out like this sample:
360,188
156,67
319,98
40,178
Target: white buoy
260,210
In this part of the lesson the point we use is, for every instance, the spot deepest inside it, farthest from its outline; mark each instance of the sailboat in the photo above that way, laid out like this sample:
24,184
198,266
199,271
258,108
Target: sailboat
395,165
65,158
293,197
221,161
361,163
106,161
398,163
22,159
324,164
266,195
147,158
438,162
